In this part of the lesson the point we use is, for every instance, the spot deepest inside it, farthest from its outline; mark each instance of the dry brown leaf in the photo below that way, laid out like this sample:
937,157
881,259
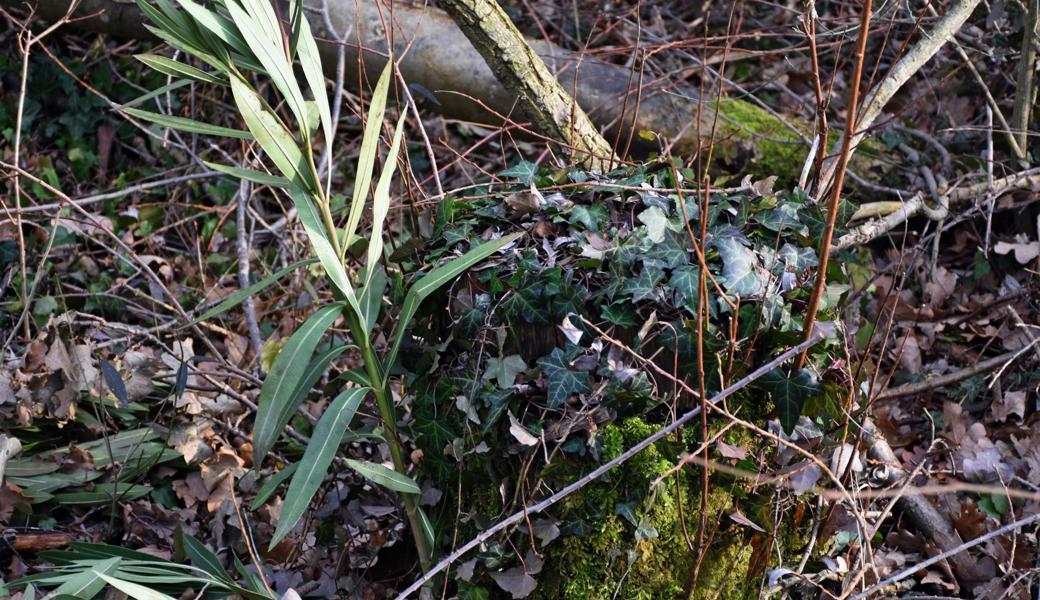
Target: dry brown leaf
1009,403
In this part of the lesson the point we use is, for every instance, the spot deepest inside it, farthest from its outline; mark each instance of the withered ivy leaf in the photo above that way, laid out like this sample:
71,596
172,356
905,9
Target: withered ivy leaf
563,381
516,582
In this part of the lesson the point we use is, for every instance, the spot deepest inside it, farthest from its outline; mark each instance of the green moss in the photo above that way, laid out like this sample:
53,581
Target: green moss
651,560
767,145
760,144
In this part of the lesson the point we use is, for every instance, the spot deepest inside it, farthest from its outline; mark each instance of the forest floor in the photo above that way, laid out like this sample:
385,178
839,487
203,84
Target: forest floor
912,431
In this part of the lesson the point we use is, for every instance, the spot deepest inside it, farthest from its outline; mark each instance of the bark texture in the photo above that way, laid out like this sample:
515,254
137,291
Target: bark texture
523,73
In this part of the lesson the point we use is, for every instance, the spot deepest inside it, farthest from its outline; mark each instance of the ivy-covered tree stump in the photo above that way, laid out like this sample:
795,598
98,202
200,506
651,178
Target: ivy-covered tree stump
515,396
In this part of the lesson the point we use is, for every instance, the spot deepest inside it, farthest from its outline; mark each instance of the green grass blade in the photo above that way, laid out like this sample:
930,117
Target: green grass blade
250,175
288,369
175,68
103,494
384,476
188,125
433,280
381,202
186,46
133,590
372,298
369,151
156,93
327,436
271,134
86,584
238,297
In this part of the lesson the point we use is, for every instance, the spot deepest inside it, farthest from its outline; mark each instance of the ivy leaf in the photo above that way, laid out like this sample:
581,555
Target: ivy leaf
797,258
589,217
739,267
526,304
504,370
656,222
523,170
620,314
644,285
564,382
515,581
685,282
670,253
790,393
783,217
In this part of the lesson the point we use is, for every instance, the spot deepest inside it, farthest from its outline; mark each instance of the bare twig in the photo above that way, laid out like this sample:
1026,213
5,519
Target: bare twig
26,40
840,168
127,191
901,72
939,381
947,554
1025,91
242,245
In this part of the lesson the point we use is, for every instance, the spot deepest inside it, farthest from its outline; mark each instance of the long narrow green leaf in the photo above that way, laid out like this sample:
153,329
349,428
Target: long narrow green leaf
238,297
272,135
156,93
103,494
285,375
86,584
133,590
384,476
271,485
369,151
262,34
216,24
182,124
310,376
372,298
381,203
310,61
175,68
249,175
433,280
316,368
308,214
327,436
186,46
203,558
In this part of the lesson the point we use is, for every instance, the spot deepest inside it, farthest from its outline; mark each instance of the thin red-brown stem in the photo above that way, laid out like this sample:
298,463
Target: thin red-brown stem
839,179
821,100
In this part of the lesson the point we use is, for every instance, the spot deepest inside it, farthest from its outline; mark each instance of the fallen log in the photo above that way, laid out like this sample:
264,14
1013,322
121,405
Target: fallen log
435,54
